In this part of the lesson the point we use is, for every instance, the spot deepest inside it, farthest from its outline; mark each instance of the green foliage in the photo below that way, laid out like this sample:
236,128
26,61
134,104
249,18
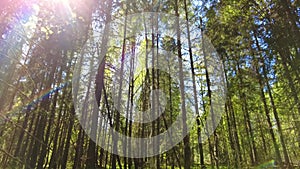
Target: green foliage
258,42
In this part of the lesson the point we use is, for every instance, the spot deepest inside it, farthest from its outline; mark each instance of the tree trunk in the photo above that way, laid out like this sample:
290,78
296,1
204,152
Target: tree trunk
186,139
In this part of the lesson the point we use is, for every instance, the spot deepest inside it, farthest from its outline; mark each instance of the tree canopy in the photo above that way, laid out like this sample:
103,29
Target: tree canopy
149,84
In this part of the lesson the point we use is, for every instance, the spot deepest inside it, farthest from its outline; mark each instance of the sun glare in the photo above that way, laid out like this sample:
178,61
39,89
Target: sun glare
65,4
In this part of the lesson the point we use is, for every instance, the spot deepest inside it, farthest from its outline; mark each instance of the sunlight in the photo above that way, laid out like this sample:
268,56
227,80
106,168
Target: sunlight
63,5
64,2
66,5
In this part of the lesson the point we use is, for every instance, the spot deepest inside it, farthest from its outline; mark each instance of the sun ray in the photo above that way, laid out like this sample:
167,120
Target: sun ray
64,6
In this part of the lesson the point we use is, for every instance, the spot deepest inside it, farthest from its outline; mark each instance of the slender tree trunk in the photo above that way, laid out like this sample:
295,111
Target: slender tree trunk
69,134
232,120
275,113
92,155
42,120
120,85
262,94
91,152
194,86
211,110
186,139
253,150
24,127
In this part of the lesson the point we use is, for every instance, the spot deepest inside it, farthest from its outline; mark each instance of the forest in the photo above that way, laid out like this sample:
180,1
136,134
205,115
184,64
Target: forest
174,84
